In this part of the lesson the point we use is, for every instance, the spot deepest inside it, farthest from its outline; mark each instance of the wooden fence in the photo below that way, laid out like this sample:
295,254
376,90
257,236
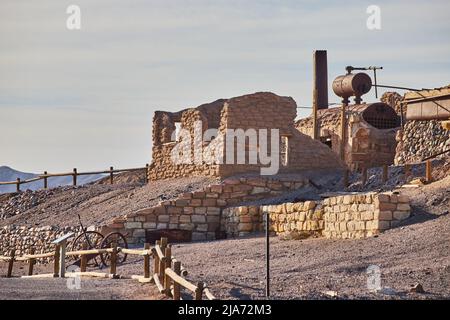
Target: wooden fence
168,273
385,173
74,174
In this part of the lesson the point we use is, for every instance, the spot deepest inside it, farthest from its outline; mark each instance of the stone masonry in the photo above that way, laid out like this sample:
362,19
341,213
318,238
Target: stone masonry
340,217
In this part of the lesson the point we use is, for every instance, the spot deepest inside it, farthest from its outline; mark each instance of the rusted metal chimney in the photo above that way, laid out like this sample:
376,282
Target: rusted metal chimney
320,79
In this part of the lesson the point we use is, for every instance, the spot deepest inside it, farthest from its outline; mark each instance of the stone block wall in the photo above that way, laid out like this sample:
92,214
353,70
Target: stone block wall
200,212
340,217
262,110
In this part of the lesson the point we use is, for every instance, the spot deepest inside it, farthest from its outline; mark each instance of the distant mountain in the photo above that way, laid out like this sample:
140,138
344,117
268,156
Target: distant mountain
9,174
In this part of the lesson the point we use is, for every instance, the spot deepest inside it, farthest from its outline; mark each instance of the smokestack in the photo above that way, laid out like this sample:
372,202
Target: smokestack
320,79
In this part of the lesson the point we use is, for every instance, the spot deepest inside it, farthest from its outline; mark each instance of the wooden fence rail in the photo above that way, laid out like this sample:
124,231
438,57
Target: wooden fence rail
74,174
168,272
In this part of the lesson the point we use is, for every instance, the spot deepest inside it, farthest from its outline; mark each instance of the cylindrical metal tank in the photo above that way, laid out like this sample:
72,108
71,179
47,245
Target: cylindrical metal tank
353,84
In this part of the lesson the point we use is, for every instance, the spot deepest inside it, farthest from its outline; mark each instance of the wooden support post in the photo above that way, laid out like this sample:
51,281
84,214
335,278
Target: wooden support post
167,264
74,176
45,180
111,175
163,244
176,286
429,169
407,171
385,173
146,173
346,176
343,128
83,263
18,185
364,175
199,291
12,255
31,262
56,262
113,267
147,262
62,259
156,259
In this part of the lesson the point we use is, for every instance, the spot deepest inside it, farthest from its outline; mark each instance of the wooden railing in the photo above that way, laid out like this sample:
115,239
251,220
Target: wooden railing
74,174
168,273
385,172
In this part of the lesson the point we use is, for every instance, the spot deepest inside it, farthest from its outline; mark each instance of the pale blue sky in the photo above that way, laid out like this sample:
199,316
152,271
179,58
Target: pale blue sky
86,98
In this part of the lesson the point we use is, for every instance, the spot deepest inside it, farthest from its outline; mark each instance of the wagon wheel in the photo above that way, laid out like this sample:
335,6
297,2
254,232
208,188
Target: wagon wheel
119,240
93,240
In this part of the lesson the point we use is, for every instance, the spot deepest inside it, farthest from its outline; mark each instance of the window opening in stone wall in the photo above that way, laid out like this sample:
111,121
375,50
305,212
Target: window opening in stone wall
177,131
284,151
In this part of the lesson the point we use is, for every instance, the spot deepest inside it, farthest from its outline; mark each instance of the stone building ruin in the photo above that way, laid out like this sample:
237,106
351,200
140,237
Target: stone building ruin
256,111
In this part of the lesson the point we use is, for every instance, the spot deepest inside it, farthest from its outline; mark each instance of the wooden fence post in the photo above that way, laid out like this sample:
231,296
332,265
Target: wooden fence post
113,266
163,244
74,176
156,259
364,175
385,173
11,263
111,175
31,263
45,180
147,262
83,263
56,262
407,169
167,264
176,286
346,174
429,174
199,291
18,185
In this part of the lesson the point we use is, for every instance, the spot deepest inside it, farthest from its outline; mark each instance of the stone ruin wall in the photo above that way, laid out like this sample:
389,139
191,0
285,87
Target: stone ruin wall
199,212
340,217
366,146
22,239
255,111
417,139
420,139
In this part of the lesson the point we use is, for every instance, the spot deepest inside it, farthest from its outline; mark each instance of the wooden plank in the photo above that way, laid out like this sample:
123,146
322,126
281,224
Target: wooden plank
180,280
159,252
158,283
88,252
36,256
139,252
208,294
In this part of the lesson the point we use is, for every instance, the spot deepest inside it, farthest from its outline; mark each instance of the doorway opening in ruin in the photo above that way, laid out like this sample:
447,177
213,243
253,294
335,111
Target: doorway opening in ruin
327,140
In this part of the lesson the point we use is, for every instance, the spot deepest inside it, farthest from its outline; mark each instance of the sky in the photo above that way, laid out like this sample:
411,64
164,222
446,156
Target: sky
85,98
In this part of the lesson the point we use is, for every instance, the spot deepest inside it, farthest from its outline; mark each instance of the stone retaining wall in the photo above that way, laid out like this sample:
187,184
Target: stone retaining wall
40,238
346,216
200,211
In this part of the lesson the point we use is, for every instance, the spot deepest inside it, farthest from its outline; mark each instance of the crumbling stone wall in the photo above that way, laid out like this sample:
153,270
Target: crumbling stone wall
420,139
365,146
261,110
340,217
199,212
22,239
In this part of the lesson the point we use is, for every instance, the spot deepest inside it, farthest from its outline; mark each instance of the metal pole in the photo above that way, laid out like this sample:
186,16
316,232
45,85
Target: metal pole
267,257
